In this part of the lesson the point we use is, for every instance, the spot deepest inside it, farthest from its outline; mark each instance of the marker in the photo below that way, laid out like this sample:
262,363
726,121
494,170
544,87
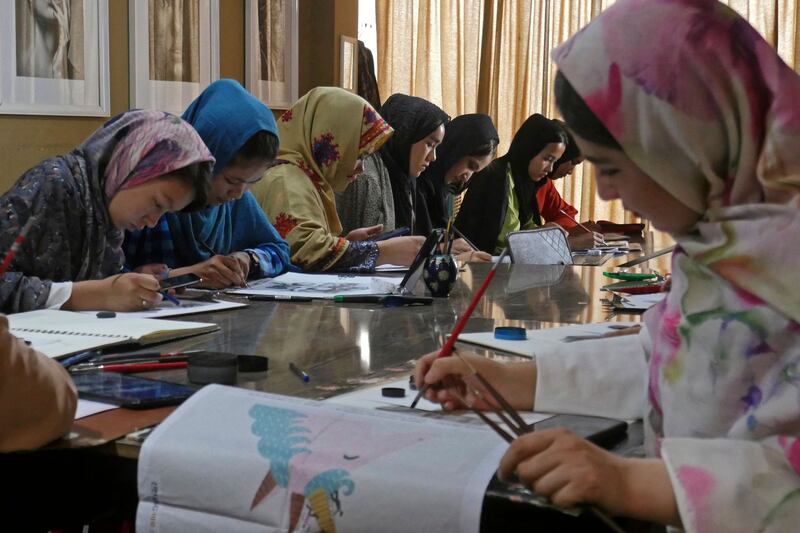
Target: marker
277,298
299,373
129,368
119,357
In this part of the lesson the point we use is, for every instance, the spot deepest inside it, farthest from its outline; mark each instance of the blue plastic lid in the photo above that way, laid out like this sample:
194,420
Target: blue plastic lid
510,333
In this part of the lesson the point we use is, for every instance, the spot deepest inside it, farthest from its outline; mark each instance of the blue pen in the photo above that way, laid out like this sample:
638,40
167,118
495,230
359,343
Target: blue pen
79,358
170,298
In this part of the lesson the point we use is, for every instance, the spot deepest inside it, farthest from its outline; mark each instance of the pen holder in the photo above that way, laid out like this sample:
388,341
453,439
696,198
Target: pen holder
440,274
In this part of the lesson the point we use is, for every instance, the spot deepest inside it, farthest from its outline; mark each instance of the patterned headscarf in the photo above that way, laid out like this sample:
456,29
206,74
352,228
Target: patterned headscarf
706,108
318,138
138,146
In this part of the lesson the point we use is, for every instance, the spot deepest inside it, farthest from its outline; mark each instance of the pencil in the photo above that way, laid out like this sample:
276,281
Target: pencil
15,246
462,321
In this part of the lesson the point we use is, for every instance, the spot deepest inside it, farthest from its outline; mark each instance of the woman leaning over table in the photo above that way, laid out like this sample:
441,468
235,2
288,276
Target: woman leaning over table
692,122
231,240
324,138
128,173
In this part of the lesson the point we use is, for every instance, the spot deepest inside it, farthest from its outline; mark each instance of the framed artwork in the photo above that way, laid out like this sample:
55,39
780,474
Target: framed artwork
174,51
54,57
348,64
271,51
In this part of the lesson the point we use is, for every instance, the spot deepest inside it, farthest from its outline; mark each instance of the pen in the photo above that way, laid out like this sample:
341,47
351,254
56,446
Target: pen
299,373
15,246
277,298
170,298
359,298
79,358
148,355
602,243
129,368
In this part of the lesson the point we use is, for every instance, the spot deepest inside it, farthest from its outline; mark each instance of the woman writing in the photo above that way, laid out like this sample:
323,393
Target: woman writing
692,124
324,138
131,171
232,240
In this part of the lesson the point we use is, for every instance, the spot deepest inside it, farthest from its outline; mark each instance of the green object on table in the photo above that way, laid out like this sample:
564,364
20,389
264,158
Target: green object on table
629,276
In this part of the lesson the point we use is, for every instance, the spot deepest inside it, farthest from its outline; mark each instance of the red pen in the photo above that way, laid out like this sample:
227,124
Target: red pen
462,321
129,368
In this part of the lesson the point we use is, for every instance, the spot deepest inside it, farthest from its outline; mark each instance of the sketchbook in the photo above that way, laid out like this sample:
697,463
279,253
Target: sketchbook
60,333
539,340
319,286
231,459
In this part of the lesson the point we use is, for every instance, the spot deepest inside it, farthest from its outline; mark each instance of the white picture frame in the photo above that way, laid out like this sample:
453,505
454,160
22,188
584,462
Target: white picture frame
63,74
348,64
280,92
158,84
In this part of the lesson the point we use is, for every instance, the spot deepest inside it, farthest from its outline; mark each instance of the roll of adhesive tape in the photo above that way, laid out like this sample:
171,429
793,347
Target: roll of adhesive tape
510,333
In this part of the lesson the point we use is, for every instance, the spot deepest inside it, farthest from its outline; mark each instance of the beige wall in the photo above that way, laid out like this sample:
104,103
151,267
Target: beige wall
26,140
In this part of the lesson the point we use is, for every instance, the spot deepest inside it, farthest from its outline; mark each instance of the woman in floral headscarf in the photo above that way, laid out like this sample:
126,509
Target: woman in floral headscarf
692,121
324,138
75,207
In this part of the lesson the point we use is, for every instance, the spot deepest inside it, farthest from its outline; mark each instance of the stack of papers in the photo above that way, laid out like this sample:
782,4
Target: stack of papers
319,286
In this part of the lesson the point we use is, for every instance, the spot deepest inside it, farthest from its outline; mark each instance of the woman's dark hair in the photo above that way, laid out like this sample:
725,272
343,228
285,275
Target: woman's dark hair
262,146
483,150
580,119
198,177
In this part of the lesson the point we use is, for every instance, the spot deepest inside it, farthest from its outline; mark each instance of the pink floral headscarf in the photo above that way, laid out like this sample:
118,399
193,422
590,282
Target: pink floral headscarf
138,146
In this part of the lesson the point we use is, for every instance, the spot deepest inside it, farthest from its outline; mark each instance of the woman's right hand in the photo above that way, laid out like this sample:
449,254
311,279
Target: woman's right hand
222,271
123,292
399,250
448,377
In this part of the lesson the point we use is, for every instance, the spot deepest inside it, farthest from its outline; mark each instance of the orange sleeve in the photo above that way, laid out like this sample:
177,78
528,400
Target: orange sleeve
37,396
550,202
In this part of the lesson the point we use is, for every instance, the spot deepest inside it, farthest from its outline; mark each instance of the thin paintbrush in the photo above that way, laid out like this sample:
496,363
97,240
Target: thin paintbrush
448,346
15,246
602,243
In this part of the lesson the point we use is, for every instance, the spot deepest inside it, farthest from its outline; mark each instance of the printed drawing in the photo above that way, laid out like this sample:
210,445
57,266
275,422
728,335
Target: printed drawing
312,458
308,286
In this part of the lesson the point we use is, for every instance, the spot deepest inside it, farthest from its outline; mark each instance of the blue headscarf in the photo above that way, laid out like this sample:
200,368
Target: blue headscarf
226,116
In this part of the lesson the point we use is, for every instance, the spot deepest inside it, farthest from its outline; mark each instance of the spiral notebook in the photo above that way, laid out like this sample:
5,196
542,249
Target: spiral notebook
61,333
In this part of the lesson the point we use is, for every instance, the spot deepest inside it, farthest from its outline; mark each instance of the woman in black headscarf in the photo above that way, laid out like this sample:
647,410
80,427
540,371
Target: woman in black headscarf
502,198
418,129
470,143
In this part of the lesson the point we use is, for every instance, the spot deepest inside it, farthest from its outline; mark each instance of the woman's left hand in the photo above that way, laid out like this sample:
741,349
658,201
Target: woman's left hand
570,471
364,234
585,240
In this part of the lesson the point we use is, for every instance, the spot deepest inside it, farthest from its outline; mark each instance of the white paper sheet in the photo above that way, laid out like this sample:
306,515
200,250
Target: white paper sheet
638,302
541,339
371,398
90,407
231,459
187,307
320,286
391,268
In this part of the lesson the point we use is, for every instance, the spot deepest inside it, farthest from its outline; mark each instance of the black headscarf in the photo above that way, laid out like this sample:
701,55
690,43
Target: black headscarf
484,207
413,119
367,83
463,136
571,152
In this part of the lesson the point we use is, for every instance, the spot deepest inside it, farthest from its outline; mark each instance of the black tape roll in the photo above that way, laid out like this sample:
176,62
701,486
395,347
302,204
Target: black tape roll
393,392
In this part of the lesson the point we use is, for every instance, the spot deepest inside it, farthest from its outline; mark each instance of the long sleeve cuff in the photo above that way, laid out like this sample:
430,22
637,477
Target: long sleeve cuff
604,377
59,294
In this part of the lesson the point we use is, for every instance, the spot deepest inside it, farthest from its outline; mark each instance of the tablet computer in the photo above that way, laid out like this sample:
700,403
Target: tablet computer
129,391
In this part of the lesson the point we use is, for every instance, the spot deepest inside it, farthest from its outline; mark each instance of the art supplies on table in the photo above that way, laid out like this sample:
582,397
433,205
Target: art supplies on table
648,257
636,302
539,340
61,333
635,287
286,464
318,286
542,246
186,307
372,398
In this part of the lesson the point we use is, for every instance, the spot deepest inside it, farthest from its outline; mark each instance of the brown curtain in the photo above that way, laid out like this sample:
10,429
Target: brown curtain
493,56
174,30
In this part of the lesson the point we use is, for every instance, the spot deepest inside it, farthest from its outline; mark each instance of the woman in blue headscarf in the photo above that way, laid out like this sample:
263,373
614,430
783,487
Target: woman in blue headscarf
231,240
